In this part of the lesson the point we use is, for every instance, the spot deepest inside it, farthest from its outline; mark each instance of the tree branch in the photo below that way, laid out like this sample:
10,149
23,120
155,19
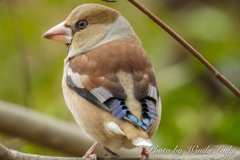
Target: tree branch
47,131
7,154
42,129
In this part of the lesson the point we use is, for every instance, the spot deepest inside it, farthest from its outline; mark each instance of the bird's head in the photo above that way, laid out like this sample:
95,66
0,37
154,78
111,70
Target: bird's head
88,26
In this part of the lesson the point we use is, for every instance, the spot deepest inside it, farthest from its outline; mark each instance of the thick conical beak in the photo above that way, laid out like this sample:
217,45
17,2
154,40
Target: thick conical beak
60,33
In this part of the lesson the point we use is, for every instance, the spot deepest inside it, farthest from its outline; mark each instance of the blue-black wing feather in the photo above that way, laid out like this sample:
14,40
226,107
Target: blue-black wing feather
113,105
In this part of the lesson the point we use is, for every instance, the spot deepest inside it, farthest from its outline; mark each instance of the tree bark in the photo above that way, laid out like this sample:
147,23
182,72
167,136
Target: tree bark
7,154
36,127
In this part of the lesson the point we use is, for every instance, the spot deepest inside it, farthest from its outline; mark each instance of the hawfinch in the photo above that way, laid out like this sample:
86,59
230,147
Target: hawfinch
109,84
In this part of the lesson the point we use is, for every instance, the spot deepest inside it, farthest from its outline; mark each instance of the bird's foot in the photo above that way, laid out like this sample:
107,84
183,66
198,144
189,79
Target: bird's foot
92,155
144,154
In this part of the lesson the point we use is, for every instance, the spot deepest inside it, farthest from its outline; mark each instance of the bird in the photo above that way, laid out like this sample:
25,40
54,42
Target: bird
109,84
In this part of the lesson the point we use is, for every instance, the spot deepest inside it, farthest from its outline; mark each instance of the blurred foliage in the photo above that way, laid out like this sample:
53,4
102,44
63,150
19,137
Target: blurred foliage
197,109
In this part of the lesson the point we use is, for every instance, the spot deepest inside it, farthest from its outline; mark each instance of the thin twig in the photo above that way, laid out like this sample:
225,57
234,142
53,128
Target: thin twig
110,0
220,77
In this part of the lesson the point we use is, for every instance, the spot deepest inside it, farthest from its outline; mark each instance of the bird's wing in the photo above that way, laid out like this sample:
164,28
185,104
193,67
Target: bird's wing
93,76
106,92
146,91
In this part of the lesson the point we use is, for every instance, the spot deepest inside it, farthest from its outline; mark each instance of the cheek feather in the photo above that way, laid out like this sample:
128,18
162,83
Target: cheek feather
85,40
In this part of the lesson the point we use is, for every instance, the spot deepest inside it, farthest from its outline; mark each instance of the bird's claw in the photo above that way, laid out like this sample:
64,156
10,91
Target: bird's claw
93,156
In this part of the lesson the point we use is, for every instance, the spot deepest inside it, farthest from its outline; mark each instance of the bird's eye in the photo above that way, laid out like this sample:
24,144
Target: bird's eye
82,24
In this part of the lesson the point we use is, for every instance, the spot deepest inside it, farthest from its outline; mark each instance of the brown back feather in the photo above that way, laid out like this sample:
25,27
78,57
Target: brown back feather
103,62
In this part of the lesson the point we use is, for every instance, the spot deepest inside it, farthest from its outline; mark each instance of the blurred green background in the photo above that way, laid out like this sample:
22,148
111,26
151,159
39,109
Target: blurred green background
197,109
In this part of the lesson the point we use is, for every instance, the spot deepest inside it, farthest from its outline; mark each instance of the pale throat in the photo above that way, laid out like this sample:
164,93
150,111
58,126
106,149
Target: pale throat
121,28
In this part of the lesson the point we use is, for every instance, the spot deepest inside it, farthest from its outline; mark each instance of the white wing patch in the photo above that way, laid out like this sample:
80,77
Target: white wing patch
76,78
115,128
140,142
153,92
102,94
